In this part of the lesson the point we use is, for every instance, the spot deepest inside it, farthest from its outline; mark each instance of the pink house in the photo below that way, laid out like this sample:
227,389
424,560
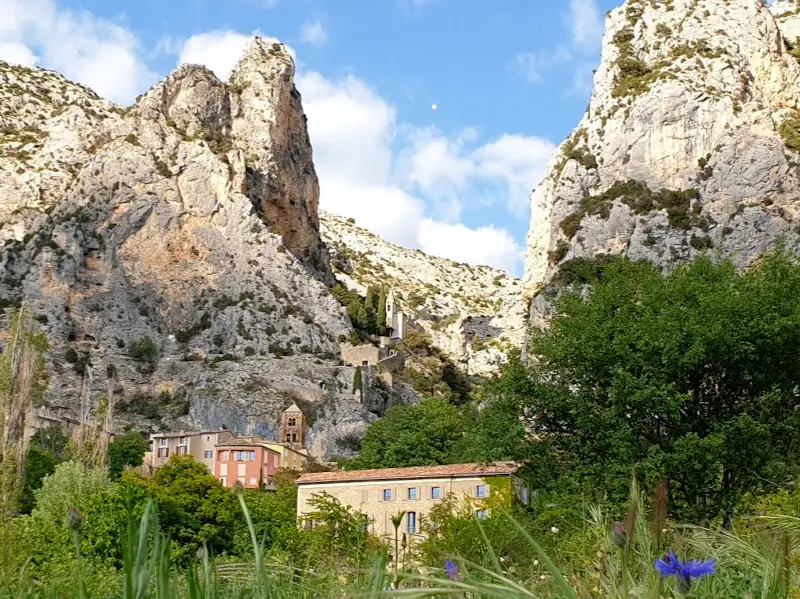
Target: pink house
252,464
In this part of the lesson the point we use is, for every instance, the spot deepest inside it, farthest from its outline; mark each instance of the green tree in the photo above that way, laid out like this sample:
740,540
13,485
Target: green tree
692,375
126,450
381,314
193,507
358,382
425,434
48,449
274,516
371,306
23,381
339,532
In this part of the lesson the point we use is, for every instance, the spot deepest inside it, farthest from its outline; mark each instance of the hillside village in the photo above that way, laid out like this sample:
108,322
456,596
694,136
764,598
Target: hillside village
210,386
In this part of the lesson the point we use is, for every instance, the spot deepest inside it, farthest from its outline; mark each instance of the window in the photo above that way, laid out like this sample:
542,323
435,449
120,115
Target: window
207,454
223,455
482,514
294,437
163,442
252,456
387,494
181,449
241,480
240,456
412,522
436,492
480,491
163,452
208,439
412,493
288,438
292,422
182,441
309,524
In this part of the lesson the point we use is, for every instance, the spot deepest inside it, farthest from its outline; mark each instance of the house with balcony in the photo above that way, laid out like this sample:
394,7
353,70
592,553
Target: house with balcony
380,494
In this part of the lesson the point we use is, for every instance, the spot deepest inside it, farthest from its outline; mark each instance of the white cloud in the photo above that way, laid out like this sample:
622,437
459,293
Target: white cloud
447,171
85,48
532,66
17,53
313,33
354,132
517,160
586,23
484,245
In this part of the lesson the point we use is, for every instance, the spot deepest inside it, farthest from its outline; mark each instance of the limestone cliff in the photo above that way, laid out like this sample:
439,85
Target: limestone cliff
190,220
475,314
689,144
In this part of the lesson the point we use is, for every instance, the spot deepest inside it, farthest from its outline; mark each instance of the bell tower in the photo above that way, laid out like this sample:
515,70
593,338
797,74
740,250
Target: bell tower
292,428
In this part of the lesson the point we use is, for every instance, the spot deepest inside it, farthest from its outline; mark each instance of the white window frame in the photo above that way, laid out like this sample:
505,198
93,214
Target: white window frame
411,523
436,492
481,491
386,492
416,493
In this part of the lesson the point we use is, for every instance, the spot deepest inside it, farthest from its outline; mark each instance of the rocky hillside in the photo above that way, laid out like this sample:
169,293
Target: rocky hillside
475,314
690,143
171,250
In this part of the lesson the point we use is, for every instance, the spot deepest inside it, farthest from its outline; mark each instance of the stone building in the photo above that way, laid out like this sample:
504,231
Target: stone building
382,493
252,464
292,428
199,444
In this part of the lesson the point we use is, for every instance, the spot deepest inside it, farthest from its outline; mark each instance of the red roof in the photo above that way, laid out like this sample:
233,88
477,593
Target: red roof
449,471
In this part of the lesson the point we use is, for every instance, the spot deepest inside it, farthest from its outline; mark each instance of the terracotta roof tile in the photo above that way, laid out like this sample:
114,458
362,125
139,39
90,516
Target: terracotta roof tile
452,470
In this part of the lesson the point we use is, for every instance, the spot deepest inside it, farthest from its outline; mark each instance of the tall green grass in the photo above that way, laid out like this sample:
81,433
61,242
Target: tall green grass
755,561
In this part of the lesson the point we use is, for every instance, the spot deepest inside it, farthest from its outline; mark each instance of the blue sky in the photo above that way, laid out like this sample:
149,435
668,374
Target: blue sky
510,79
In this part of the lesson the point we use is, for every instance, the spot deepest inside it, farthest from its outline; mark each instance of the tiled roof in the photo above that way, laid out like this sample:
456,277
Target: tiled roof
186,434
449,471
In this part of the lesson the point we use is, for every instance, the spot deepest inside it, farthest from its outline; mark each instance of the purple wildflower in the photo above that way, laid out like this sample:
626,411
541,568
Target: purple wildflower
670,565
452,570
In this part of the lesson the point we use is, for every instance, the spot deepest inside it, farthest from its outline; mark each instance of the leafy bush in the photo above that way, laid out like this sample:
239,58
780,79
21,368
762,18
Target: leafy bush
790,133
143,350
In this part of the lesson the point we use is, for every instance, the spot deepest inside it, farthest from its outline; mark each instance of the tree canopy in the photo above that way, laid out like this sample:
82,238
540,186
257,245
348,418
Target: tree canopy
127,449
693,376
425,434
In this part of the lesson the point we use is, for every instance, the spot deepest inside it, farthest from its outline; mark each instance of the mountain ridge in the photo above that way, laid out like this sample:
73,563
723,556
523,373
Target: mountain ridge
686,145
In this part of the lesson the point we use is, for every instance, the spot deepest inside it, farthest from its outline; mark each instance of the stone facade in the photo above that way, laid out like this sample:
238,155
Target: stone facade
292,428
380,494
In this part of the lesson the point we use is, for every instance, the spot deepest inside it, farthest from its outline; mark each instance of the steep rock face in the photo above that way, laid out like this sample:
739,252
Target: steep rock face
454,303
689,143
189,219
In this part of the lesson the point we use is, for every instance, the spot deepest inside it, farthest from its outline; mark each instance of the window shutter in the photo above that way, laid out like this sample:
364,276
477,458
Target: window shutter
380,495
395,494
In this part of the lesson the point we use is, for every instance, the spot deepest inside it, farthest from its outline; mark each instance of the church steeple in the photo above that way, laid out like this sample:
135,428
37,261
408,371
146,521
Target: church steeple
292,428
